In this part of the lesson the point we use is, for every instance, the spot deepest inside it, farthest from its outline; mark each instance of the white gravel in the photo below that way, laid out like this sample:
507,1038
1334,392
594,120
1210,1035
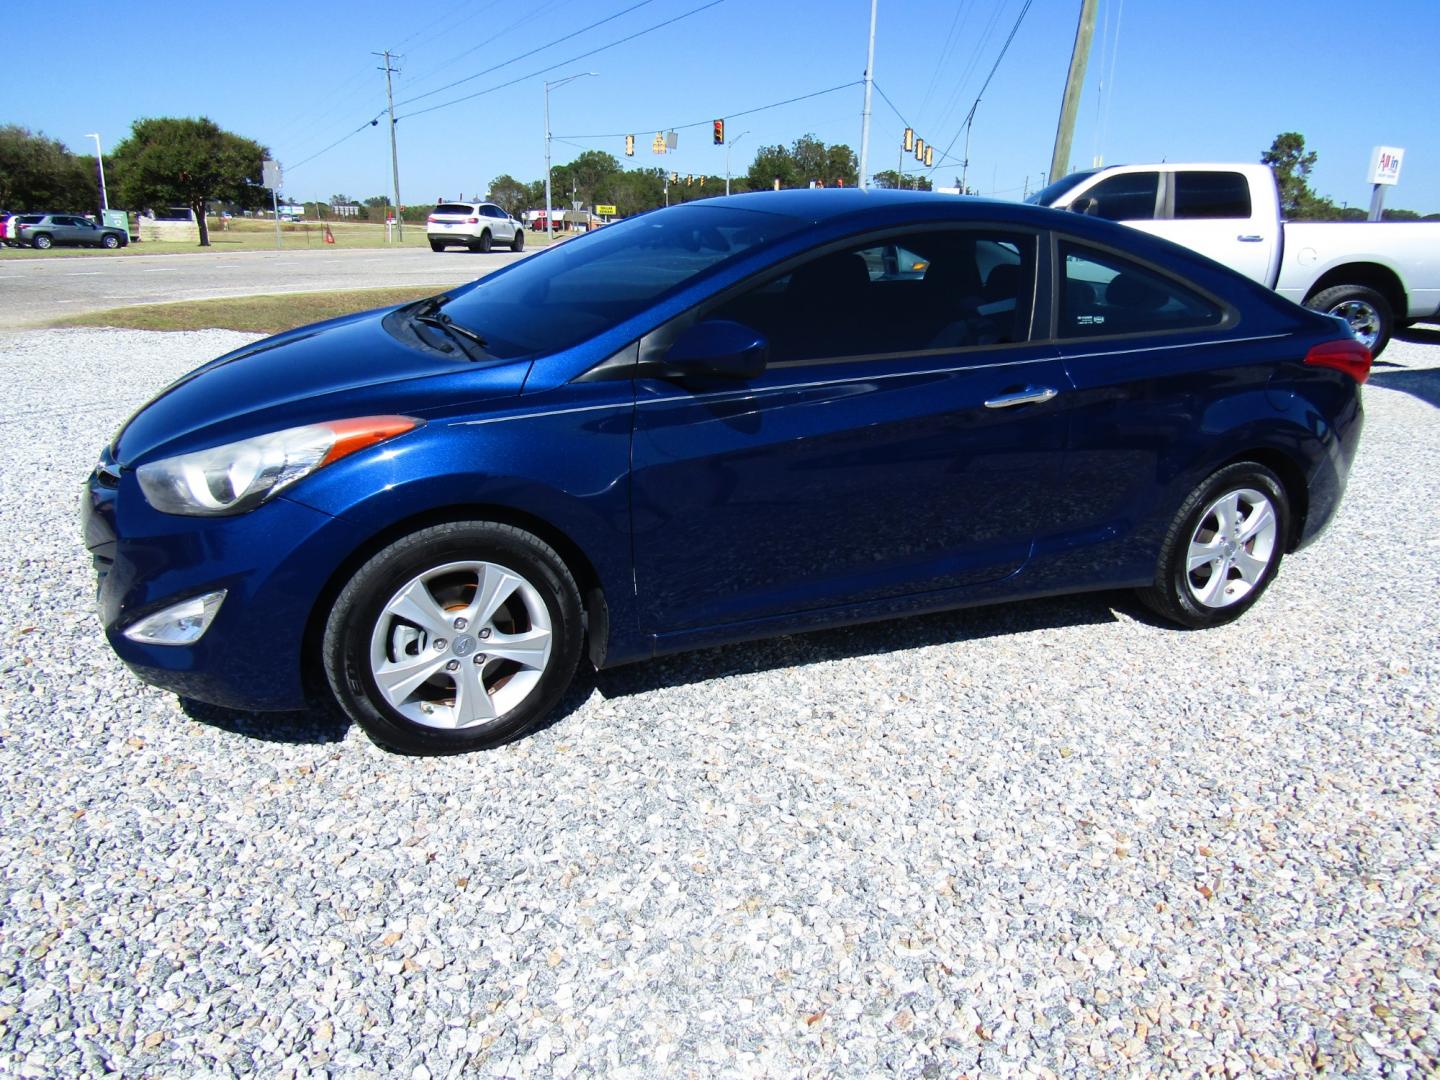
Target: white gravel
1045,839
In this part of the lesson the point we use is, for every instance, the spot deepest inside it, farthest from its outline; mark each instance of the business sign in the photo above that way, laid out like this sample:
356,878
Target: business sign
604,210
1385,164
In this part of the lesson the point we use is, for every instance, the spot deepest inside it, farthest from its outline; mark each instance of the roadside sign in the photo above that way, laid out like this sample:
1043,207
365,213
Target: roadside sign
270,174
1385,164
605,210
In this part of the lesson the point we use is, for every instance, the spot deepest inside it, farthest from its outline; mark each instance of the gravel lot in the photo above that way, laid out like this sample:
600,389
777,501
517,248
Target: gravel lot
1052,838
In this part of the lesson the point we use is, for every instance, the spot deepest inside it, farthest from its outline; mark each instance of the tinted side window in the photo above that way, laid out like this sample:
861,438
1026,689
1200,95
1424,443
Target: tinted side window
1126,197
1103,294
1211,195
943,290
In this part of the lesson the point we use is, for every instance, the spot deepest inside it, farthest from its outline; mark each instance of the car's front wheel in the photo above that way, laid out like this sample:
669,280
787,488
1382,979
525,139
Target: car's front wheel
1223,548
457,637
110,241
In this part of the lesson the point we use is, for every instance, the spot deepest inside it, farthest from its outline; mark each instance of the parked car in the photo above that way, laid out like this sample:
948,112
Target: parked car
1373,275
475,225
49,230
721,421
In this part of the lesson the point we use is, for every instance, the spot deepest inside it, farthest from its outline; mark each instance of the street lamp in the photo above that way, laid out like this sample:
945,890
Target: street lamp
729,144
104,200
549,224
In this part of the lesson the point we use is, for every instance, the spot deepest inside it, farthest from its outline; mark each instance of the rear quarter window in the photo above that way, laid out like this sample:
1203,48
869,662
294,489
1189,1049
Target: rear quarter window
1211,195
1103,295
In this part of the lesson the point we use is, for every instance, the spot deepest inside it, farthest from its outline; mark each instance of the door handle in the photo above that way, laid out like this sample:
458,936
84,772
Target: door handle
1250,239
1031,395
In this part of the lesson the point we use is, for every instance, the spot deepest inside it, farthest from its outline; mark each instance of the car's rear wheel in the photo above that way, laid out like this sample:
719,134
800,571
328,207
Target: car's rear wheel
518,244
1223,548
483,244
42,241
1368,313
110,241
435,245
457,637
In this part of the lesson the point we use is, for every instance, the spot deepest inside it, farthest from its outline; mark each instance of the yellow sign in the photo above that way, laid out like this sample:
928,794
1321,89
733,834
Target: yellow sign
605,211
658,146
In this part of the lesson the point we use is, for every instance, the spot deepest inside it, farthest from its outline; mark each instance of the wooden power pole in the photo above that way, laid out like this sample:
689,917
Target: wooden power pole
1074,83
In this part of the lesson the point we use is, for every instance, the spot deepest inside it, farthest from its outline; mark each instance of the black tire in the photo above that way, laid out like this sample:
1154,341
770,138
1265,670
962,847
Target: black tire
1358,306
361,606
1176,594
518,244
435,245
110,241
483,246
42,241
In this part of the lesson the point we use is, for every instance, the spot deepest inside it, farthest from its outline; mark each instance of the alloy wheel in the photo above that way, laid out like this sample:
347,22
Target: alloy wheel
1232,547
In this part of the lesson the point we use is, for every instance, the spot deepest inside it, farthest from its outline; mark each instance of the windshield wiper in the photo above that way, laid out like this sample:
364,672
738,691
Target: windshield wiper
451,327
428,313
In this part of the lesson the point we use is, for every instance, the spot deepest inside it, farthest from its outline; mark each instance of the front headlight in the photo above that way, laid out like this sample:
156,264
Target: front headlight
239,476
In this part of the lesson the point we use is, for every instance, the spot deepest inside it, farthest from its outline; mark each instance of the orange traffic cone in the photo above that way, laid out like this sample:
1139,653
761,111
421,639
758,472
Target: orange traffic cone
329,236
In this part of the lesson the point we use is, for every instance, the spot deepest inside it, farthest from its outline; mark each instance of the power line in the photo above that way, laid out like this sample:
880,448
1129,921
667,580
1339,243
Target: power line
985,85
893,109
564,63
726,116
337,142
524,55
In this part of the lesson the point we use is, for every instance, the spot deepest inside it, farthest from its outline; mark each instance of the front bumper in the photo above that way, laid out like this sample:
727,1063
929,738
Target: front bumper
274,563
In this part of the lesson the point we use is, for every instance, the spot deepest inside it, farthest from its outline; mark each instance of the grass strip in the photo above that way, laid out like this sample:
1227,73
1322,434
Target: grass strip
254,314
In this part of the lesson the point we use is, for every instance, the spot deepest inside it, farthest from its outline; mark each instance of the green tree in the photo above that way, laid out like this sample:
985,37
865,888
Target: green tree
187,161
510,194
772,163
1291,164
40,173
889,178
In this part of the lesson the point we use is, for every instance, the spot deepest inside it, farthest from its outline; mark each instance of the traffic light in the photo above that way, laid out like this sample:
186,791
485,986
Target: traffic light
909,139
929,155
629,145
674,178
919,149
719,132
689,179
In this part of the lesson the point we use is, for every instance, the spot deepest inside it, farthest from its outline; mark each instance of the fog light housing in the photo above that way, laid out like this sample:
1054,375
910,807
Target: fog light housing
178,624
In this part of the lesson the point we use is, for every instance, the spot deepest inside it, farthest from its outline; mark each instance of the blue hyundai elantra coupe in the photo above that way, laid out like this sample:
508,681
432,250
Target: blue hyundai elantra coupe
727,420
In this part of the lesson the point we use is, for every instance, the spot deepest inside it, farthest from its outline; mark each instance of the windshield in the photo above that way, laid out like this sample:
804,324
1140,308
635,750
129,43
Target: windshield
587,285
1047,196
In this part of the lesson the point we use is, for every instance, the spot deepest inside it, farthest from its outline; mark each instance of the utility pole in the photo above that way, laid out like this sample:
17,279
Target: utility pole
549,212
100,160
865,118
394,154
1074,83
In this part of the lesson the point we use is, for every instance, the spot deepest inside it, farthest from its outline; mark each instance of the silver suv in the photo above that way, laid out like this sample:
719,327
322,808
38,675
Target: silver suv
478,226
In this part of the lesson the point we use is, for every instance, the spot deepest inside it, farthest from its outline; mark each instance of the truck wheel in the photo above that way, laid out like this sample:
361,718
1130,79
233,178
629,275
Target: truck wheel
1368,313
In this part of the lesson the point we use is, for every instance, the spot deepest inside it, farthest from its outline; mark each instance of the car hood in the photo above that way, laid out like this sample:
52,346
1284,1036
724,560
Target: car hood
350,366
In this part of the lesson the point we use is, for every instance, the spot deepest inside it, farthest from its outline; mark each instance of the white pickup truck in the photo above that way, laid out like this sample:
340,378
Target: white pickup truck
1376,276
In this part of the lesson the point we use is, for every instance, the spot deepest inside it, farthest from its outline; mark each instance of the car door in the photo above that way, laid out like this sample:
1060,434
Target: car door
1211,211
906,437
500,225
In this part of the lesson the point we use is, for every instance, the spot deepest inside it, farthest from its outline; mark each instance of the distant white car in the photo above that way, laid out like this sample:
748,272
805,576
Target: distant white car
478,226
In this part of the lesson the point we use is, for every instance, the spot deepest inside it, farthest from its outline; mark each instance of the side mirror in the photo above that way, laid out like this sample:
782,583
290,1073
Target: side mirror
718,347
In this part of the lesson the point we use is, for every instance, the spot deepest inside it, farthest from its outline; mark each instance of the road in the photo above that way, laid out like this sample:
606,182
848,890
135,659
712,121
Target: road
34,291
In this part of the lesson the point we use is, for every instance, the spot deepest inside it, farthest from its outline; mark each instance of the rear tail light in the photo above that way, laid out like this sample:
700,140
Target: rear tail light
473,220
1346,355
430,220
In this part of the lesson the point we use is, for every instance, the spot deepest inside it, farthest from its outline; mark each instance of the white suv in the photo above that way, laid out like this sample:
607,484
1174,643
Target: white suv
477,226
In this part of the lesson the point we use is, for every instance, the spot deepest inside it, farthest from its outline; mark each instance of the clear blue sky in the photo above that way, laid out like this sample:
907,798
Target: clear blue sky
1195,82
